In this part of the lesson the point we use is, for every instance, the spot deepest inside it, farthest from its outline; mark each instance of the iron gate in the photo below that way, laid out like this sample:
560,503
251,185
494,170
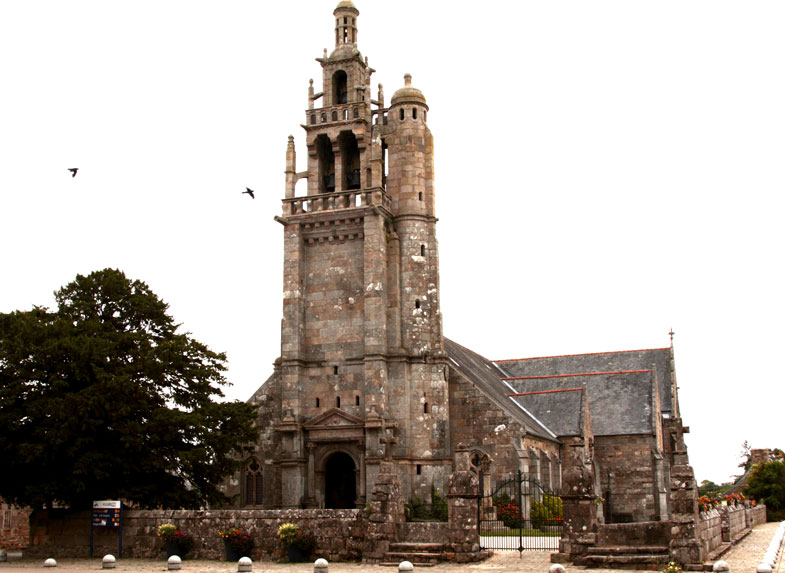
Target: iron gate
519,514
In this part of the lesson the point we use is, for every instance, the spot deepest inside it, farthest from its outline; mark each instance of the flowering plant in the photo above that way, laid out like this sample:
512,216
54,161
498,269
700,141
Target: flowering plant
672,568
166,531
292,535
707,503
239,541
508,511
177,537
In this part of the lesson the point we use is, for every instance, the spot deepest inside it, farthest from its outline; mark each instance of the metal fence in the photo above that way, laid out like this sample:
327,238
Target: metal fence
519,514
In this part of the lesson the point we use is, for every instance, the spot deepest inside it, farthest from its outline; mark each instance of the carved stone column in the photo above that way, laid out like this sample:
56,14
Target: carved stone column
310,499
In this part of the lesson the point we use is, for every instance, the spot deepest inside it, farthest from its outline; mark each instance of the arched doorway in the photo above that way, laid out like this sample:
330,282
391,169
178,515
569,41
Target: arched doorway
340,490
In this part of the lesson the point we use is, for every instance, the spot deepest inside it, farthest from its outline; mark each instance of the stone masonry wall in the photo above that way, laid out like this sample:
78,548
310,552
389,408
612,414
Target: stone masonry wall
476,422
737,520
628,473
710,530
339,533
722,525
14,526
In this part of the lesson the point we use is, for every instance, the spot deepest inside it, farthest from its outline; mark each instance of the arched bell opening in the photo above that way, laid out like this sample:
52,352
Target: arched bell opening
340,484
324,151
350,160
340,87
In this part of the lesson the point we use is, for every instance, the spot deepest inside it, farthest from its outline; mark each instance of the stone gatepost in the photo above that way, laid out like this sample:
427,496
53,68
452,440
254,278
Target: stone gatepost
386,513
685,546
580,508
463,489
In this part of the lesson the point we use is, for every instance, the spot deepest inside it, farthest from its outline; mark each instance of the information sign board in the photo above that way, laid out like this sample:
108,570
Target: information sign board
107,513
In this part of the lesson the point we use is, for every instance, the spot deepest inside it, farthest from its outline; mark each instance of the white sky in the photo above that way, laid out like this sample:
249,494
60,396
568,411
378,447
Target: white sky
606,171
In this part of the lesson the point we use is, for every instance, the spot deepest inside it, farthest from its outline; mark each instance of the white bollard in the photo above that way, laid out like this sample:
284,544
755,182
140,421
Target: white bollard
405,566
245,564
174,563
763,568
50,563
556,568
320,566
109,562
721,566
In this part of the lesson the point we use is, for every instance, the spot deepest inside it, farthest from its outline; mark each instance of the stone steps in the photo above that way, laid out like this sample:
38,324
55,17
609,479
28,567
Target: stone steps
418,554
629,550
612,558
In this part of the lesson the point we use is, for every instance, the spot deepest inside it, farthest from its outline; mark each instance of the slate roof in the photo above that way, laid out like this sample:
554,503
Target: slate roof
620,403
559,410
656,359
486,376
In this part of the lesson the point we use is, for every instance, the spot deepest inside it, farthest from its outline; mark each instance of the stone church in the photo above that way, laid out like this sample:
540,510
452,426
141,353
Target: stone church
365,373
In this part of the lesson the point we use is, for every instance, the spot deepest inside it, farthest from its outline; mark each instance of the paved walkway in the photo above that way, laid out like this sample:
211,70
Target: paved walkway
743,558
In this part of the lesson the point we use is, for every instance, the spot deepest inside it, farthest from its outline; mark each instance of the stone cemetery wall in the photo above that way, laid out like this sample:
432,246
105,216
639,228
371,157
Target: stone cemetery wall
14,526
339,533
724,524
710,530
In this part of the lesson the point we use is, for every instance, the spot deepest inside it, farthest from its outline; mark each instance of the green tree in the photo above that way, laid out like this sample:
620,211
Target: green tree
745,456
103,398
767,484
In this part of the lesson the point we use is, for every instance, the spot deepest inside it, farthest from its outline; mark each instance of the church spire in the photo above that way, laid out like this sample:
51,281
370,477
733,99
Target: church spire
345,24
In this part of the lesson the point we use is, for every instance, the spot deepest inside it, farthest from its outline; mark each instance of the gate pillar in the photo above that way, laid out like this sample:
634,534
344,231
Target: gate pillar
463,490
386,512
580,508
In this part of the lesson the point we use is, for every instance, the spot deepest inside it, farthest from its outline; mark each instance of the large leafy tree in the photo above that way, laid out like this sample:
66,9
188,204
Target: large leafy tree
767,484
104,398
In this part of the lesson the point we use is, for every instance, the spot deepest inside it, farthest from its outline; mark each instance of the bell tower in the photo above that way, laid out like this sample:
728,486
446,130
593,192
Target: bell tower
362,366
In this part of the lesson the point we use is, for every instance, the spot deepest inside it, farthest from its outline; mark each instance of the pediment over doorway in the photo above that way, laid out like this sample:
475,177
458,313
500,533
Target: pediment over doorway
334,423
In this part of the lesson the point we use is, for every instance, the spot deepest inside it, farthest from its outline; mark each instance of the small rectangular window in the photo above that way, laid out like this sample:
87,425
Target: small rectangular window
419,469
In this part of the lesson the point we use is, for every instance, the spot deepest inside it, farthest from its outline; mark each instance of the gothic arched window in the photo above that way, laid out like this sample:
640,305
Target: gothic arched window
253,483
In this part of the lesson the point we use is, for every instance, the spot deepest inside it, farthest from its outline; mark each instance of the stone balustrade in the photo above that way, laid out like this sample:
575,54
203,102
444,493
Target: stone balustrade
352,199
336,113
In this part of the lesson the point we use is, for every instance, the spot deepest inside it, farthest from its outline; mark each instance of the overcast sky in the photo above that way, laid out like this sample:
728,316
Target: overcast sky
605,171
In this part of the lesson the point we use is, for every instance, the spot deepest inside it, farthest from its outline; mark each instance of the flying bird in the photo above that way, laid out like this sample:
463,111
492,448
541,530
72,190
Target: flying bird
73,171
249,192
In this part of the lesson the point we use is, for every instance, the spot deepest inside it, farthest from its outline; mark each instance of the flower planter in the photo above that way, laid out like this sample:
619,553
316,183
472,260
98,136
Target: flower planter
231,554
295,554
172,548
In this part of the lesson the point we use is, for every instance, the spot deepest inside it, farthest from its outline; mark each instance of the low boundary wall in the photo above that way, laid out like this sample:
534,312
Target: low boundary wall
339,532
719,527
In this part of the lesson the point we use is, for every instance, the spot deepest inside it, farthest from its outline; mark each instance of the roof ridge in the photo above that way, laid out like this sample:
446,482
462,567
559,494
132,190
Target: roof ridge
575,374
580,354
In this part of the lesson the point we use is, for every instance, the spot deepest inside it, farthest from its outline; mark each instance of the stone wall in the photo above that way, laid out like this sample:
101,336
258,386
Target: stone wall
737,521
642,534
339,533
720,526
14,526
710,530
628,476
756,515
